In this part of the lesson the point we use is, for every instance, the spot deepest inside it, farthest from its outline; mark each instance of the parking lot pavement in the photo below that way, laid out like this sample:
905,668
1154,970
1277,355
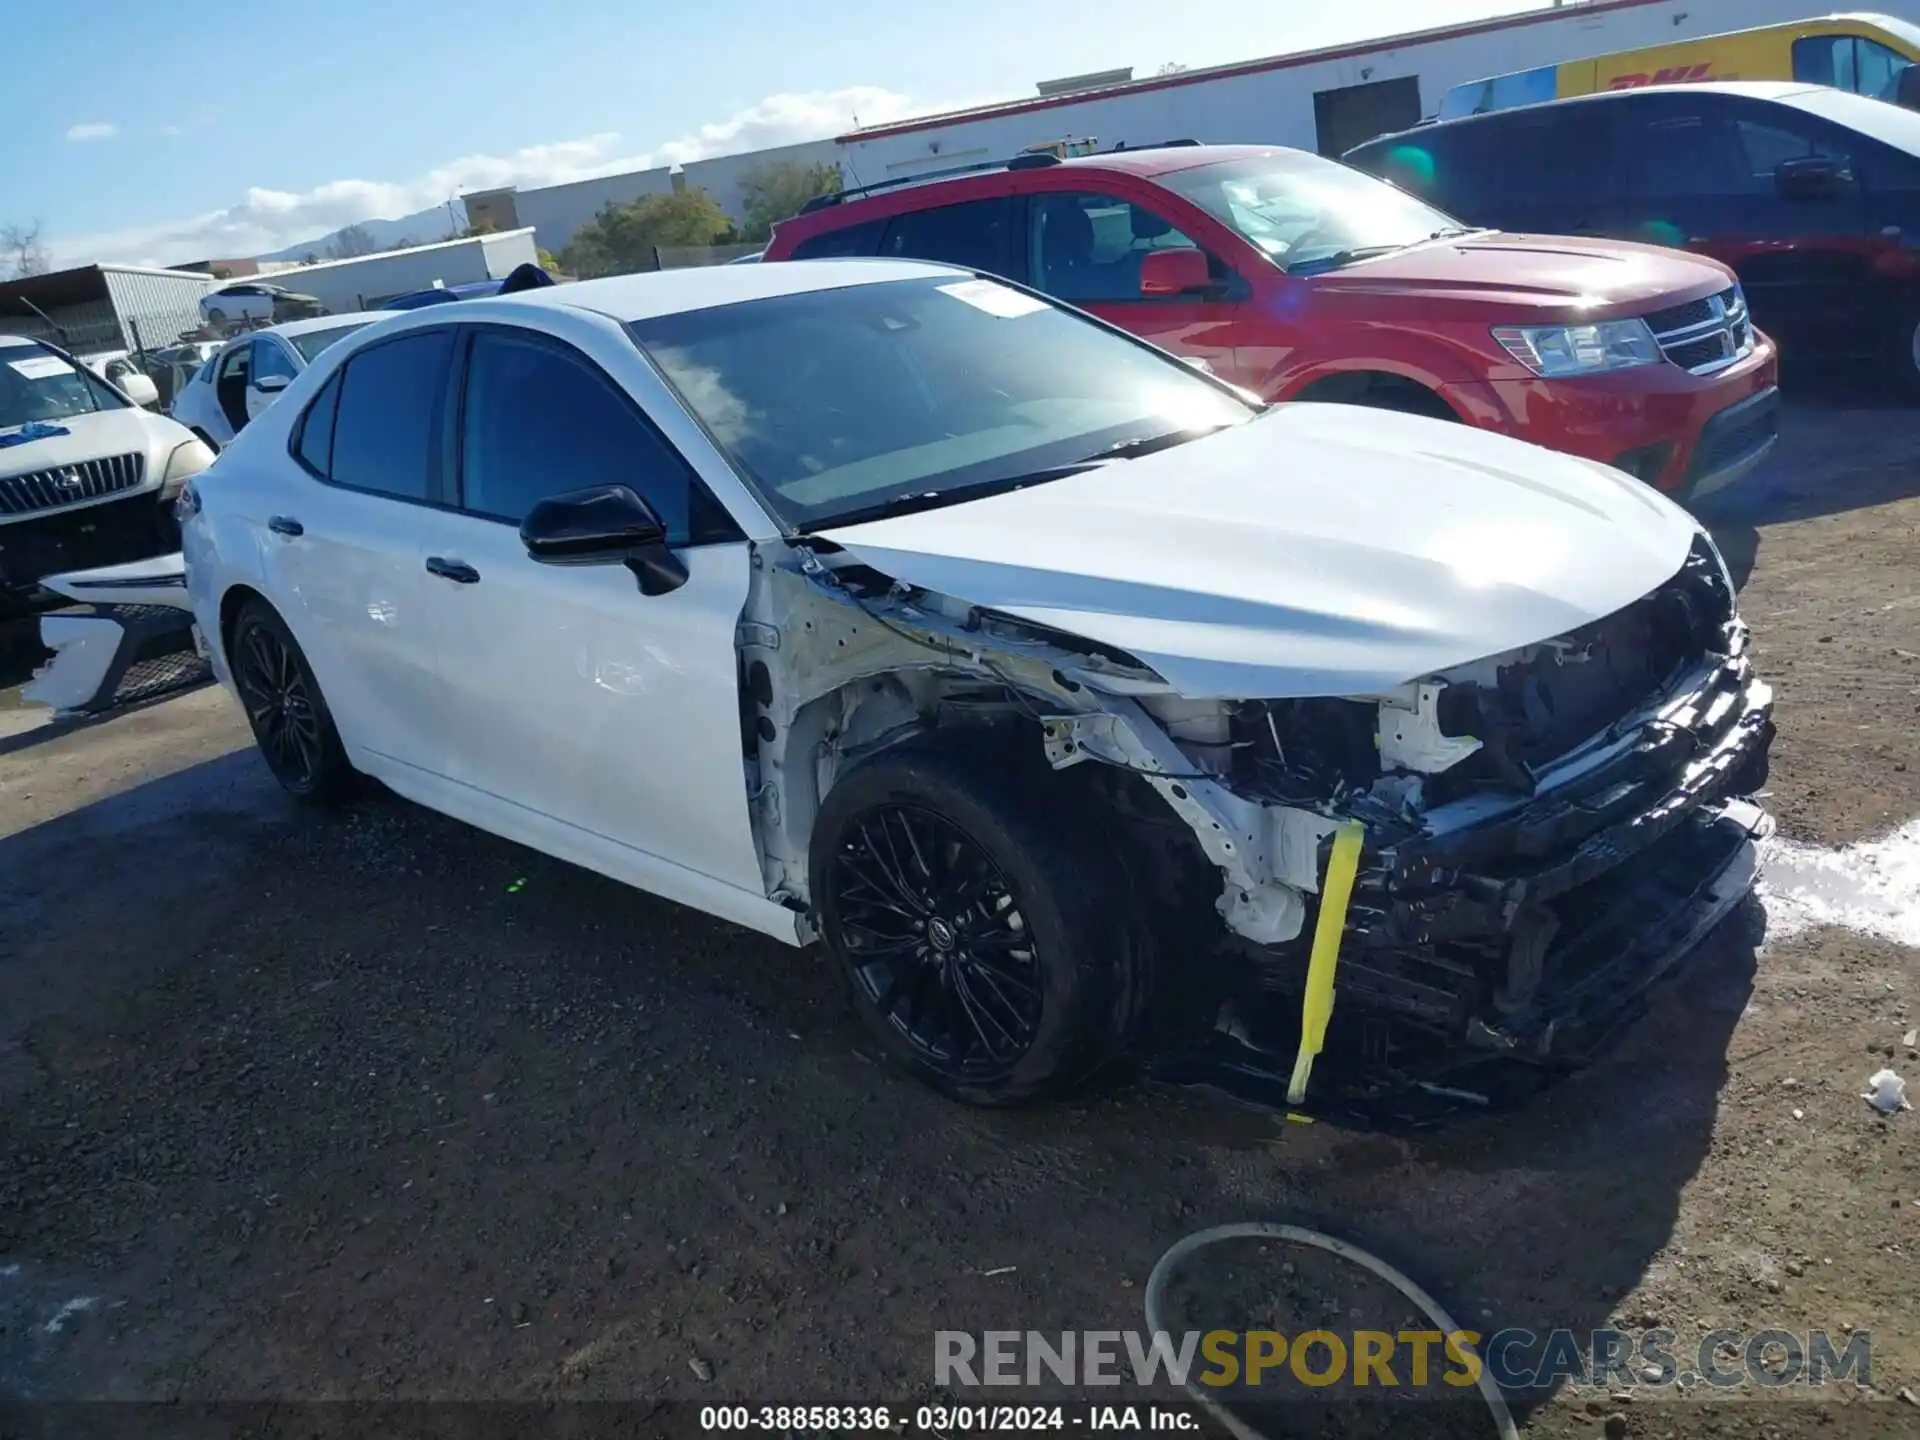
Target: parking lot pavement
372,1104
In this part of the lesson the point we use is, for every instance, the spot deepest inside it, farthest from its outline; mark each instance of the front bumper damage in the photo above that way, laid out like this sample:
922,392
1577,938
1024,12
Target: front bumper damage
1496,947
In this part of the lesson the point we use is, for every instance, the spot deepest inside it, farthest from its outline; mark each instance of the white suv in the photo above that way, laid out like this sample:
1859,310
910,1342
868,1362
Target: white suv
1075,699
87,477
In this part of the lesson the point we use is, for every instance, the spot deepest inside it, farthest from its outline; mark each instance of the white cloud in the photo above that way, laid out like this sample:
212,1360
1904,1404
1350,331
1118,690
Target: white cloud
93,130
265,220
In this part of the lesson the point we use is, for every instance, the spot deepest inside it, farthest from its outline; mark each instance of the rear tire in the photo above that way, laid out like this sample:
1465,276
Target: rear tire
988,937
285,709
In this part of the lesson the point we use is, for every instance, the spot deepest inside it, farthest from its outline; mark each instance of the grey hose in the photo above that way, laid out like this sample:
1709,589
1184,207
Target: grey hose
1299,1235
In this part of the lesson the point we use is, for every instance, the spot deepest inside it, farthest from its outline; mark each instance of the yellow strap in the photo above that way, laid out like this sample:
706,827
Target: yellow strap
1336,893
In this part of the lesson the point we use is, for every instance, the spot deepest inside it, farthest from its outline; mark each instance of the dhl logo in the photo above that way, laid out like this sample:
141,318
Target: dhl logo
1672,75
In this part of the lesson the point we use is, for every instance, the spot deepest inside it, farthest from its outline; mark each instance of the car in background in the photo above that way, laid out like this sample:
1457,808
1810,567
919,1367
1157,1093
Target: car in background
443,294
247,374
1867,54
124,371
1065,692
87,477
1298,278
256,302
1809,194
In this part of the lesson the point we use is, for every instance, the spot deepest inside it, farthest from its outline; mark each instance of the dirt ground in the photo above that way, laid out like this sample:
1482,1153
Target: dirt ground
375,1106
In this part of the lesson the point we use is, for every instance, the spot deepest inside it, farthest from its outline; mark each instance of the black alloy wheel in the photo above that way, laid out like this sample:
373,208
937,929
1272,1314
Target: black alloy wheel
285,709
936,938
279,702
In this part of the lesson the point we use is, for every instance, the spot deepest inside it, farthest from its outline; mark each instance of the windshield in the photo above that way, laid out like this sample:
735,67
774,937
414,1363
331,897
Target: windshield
37,385
1889,124
857,402
310,343
1307,214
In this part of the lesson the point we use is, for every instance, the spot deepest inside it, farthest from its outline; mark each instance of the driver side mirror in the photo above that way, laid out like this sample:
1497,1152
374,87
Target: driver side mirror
607,525
1174,272
140,389
1813,177
272,384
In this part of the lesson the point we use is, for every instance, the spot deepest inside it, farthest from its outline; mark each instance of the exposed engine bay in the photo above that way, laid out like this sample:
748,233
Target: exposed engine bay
1546,831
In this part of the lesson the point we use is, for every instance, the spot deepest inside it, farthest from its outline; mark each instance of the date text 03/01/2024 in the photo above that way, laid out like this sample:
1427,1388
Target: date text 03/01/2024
945,1418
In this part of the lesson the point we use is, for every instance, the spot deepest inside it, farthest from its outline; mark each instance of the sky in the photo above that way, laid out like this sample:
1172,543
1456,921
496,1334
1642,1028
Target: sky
148,139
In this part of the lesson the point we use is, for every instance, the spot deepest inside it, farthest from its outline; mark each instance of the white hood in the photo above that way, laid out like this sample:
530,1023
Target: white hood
92,437
1317,550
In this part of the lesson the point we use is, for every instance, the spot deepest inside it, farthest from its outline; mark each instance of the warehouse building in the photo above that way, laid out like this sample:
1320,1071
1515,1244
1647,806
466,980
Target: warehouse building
104,309
367,282
556,212
1323,100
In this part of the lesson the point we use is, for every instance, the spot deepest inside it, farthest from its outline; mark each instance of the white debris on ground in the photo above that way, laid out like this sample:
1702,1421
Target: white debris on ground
79,1305
1872,888
1886,1092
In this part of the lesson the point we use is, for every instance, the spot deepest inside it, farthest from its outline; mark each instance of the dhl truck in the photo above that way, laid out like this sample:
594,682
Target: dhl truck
1872,55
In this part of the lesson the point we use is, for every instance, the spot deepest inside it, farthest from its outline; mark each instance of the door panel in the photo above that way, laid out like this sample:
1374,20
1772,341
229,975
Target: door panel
571,694
352,588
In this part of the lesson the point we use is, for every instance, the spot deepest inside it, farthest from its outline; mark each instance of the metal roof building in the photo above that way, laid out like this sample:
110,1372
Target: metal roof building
366,282
93,309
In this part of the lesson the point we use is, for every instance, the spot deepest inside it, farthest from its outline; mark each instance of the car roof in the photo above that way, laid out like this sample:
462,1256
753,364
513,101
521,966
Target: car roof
1777,90
1146,162
319,322
674,292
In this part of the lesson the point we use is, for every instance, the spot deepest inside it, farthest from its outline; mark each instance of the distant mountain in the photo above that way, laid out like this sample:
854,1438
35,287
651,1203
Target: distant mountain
421,228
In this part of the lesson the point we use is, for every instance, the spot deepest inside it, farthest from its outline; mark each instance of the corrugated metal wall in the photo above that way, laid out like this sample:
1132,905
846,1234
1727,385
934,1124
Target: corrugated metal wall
155,309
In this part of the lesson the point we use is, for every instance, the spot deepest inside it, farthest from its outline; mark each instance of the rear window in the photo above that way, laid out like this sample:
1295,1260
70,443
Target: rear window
314,341
848,240
972,234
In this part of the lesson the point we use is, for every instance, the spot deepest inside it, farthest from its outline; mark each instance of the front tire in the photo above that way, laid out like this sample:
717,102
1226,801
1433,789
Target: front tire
986,935
285,709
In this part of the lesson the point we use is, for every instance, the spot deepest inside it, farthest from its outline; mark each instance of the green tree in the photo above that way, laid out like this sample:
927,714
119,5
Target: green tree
772,193
548,260
351,243
622,238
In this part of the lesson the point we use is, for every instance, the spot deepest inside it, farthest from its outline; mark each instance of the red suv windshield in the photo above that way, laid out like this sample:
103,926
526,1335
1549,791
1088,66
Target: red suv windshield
1307,214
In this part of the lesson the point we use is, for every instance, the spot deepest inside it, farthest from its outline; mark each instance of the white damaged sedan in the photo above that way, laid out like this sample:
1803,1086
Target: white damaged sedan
1083,707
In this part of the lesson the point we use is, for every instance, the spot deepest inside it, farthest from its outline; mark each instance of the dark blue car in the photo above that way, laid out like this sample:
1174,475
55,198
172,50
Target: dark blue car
442,294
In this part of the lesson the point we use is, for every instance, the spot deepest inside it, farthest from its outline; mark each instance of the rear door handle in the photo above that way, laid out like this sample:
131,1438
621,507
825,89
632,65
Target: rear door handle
286,525
457,571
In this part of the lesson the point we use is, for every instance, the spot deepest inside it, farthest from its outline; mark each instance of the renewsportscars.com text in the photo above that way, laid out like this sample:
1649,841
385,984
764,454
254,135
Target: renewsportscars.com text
1516,1359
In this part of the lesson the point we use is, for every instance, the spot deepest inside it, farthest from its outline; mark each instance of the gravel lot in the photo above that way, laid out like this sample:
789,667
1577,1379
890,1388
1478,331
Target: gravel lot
374,1105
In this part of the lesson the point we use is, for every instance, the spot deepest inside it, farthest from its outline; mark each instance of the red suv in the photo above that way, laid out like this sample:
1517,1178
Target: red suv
1302,279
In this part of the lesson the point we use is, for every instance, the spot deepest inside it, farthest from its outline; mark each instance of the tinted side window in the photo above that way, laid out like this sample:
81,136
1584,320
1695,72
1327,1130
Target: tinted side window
313,440
1765,144
540,419
861,239
973,235
270,359
386,434
238,362
1678,151
1089,247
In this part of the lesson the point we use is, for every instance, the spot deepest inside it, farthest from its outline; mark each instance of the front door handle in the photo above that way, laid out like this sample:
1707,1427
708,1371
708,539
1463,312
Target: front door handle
457,571
285,525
